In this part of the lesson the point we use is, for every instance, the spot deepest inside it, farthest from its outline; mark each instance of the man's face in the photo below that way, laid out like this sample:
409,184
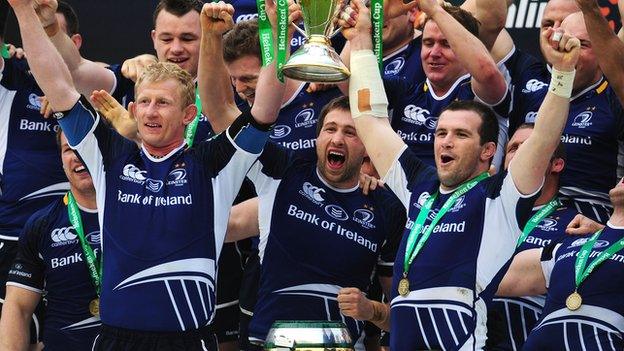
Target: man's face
75,171
244,74
177,39
519,137
587,69
457,147
159,112
438,59
554,13
617,194
339,150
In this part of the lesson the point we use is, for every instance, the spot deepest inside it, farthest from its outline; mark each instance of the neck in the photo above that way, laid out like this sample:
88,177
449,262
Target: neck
162,150
617,218
345,184
549,190
441,88
86,199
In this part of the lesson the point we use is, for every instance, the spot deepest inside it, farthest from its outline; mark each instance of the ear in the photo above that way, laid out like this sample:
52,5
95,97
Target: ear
487,151
557,165
413,14
132,109
190,112
77,39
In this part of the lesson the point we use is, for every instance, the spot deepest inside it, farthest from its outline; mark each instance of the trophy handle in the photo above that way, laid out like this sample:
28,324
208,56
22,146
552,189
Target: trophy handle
301,31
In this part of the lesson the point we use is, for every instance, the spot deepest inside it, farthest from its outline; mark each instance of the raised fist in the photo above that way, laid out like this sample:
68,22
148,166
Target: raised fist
216,17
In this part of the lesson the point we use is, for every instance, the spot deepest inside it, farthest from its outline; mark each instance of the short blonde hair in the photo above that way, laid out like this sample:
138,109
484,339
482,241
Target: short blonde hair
162,71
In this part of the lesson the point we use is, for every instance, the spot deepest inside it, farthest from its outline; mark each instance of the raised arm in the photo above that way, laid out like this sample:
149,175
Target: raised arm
213,80
17,311
605,42
532,159
367,97
492,15
488,82
524,276
46,63
87,75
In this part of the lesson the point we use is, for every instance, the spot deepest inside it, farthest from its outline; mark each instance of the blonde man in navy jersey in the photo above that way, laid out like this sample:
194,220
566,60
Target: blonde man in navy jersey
462,225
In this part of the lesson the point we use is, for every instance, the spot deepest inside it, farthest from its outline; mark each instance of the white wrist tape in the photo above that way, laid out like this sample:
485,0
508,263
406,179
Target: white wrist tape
561,83
366,92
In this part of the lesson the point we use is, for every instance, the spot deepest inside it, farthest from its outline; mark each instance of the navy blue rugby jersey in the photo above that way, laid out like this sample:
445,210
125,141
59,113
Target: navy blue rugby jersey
458,270
31,174
599,323
593,131
406,63
50,261
163,219
295,128
520,314
415,109
316,239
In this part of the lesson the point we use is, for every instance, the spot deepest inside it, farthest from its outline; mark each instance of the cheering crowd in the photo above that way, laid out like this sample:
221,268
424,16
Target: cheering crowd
458,194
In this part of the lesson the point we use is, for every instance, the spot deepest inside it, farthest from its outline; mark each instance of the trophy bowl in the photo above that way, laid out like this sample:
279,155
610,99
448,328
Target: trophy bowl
316,60
308,336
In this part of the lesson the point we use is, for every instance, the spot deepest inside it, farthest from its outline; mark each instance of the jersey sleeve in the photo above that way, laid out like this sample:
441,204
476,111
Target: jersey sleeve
15,74
548,260
95,141
407,171
395,218
123,90
271,166
28,268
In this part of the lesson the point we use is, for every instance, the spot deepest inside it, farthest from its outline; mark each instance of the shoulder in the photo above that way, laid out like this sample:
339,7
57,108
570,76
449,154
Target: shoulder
41,220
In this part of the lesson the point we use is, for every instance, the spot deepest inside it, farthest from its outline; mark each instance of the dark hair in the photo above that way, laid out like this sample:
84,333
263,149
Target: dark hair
488,130
559,151
339,103
4,14
71,18
57,137
242,40
178,8
465,18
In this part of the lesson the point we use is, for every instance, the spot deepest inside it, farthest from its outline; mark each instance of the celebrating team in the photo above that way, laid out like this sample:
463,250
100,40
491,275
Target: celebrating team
462,180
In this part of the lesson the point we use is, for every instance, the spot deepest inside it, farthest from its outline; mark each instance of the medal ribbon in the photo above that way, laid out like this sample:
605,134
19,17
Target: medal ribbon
191,129
378,21
581,269
545,211
95,268
413,248
282,37
265,33
5,51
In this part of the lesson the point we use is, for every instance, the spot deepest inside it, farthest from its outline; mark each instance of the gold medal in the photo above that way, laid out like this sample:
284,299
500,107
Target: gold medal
574,301
404,289
94,307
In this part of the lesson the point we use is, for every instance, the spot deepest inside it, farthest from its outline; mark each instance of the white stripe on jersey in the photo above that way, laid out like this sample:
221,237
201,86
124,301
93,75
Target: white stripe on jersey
603,318
57,189
90,322
6,102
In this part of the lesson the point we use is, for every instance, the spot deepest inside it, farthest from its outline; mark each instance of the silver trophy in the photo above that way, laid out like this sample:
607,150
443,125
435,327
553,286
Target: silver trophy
308,336
316,60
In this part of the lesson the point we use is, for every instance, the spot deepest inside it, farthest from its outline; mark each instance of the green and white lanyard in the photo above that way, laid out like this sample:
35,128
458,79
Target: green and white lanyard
416,239
581,269
191,129
544,212
95,267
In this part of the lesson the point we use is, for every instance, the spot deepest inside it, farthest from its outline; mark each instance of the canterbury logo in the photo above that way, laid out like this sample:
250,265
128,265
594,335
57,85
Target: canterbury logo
132,171
313,192
63,234
534,85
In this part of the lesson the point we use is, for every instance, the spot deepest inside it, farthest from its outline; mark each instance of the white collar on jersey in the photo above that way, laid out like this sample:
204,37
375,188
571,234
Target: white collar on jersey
451,89
338,190
612,226
160,159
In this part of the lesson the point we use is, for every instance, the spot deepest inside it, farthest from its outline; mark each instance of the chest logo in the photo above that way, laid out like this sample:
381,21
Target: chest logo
280,131
597,245
394,67
533,85
177,177
364,217
548,225
63,236
313,193
337,212
33,102
583,120
419,116
305,118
